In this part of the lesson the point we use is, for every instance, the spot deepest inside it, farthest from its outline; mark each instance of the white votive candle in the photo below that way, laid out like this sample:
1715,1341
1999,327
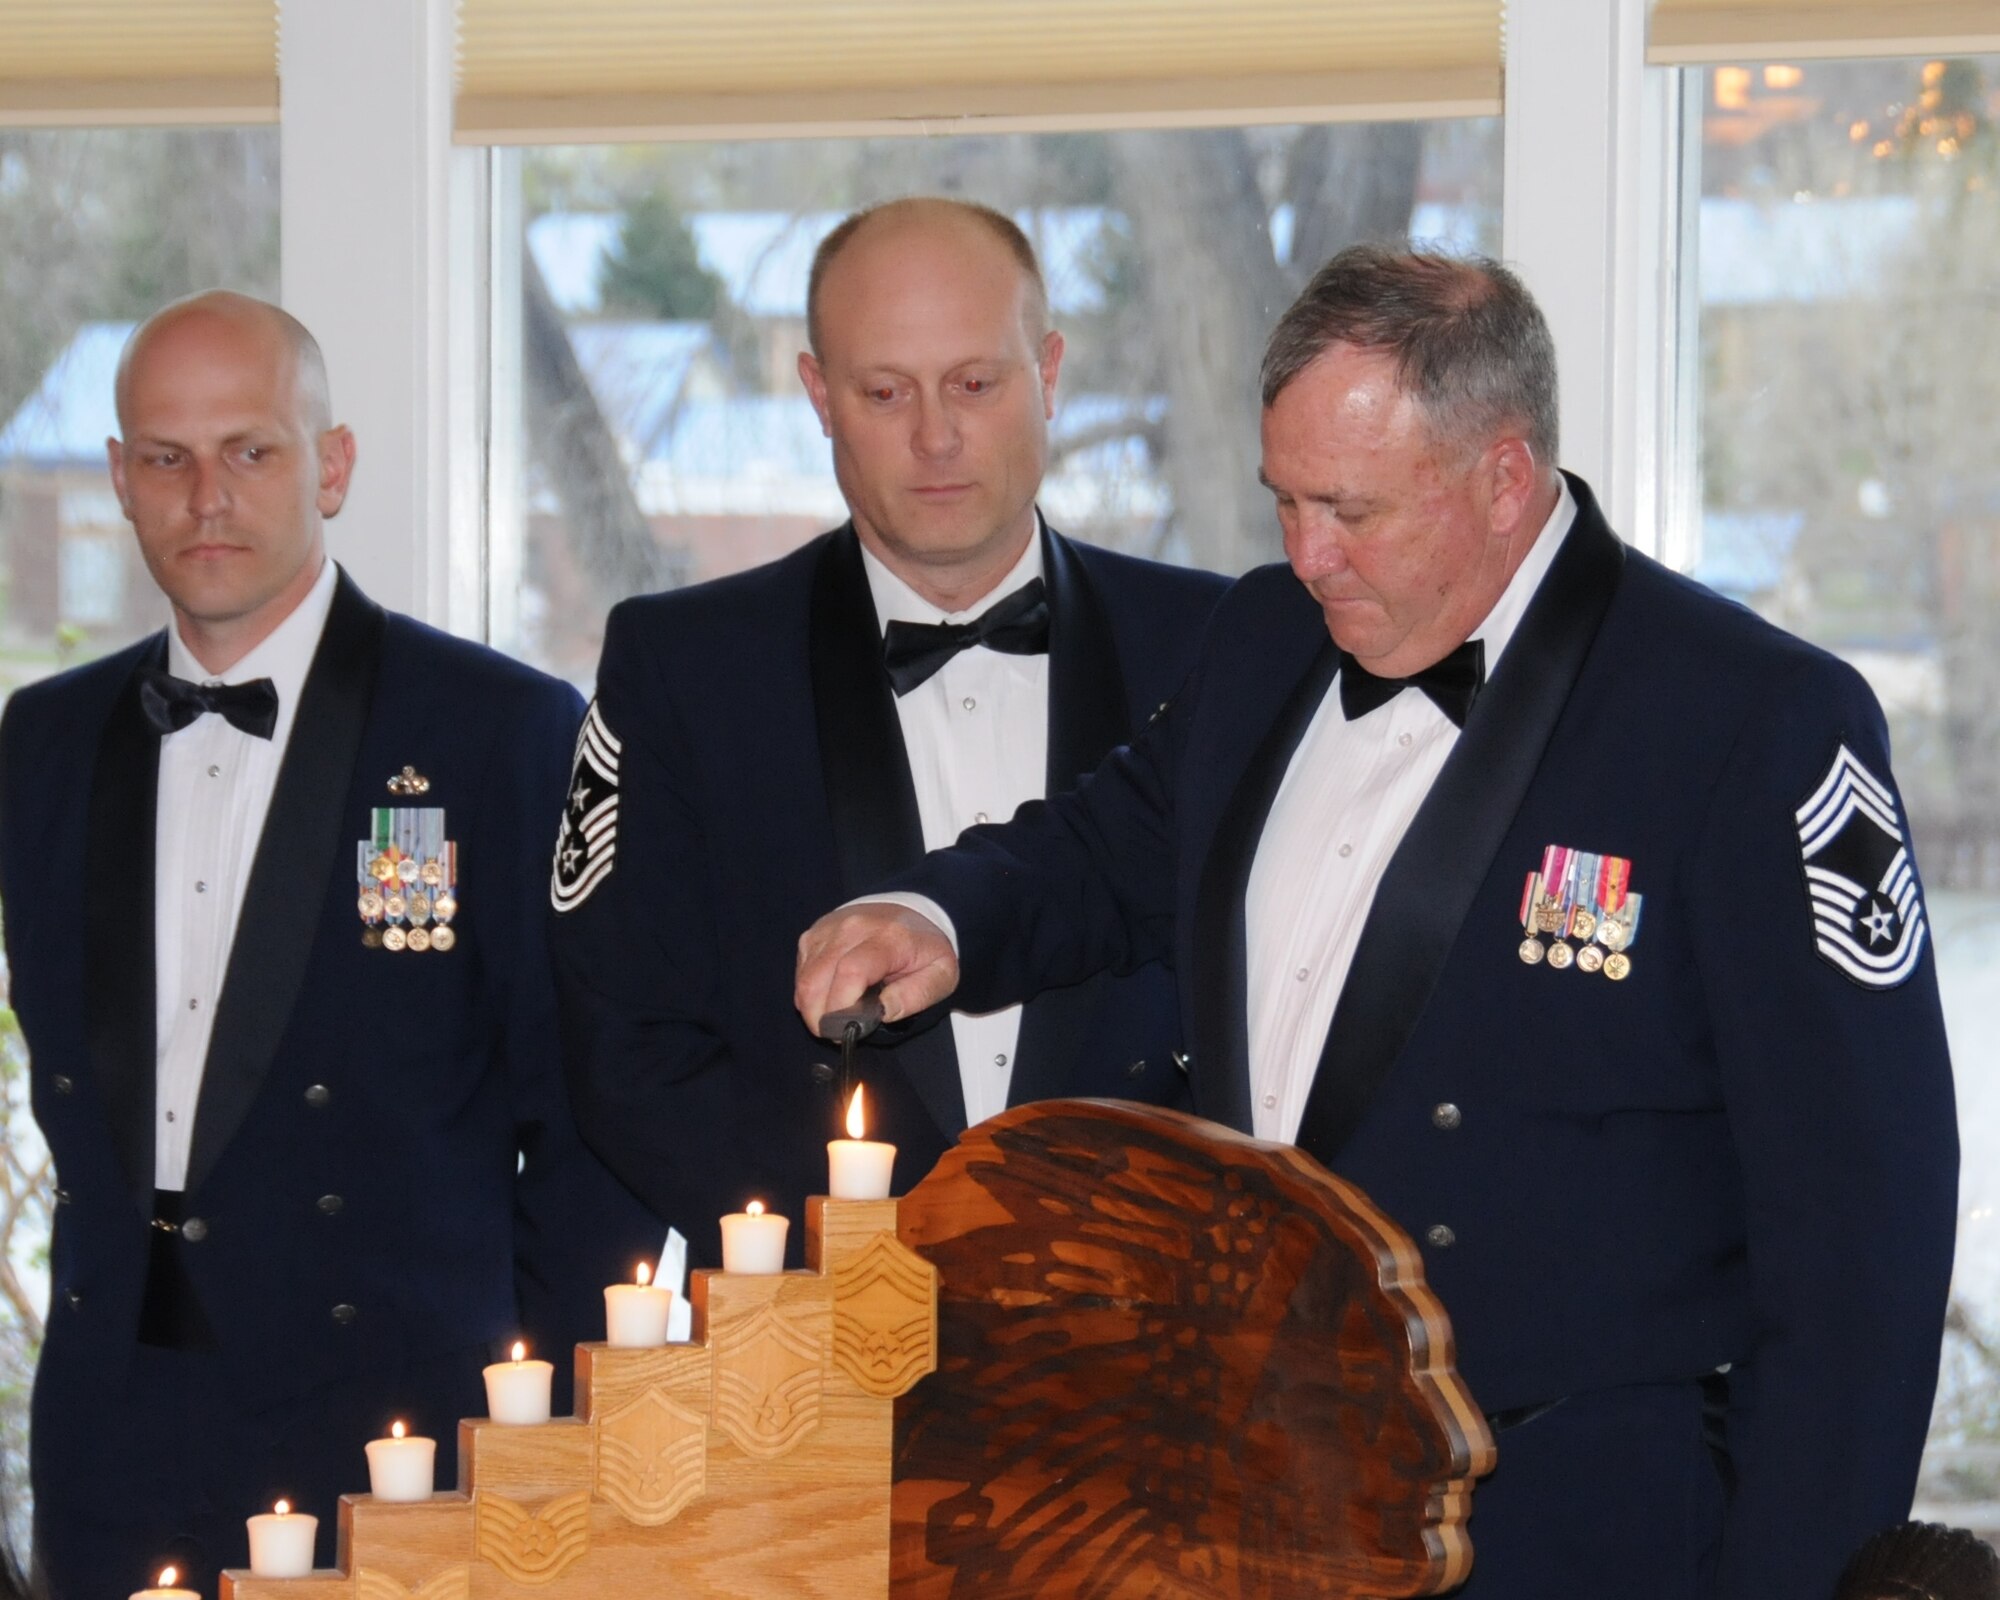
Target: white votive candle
753,1241
164,1589
858,1168
635,1314
400,1467
281,1542
517,1391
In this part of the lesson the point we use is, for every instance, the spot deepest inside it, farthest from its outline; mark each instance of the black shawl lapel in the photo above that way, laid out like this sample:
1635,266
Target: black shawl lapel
118,926
1219,990
1089,717
876,828
1449,849
286,897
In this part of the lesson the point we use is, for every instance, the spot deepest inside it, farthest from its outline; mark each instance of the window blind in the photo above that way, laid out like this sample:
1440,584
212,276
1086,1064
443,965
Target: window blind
1692,32
69,62
556,70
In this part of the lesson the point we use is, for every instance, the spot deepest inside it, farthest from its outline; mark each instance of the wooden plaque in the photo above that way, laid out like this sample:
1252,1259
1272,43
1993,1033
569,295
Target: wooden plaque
1173,1361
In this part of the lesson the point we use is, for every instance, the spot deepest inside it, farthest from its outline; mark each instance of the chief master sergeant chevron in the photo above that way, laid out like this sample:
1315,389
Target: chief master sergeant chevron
1685,1180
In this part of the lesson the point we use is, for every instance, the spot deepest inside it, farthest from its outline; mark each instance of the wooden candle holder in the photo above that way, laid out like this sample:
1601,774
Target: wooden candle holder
753,1461
1167,1360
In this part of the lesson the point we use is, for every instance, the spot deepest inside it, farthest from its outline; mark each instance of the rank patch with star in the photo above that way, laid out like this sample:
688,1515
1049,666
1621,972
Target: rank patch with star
1868,915
588,838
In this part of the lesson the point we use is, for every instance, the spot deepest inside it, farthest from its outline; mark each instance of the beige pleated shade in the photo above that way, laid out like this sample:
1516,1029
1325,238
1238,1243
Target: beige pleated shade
541,70
109,61
1690,32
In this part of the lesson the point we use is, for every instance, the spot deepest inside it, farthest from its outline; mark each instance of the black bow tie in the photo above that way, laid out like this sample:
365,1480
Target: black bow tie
1015,626
1452,684
171,703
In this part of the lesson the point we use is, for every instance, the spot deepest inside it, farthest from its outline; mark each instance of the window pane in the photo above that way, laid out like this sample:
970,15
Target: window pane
1849,270
665,437
97,228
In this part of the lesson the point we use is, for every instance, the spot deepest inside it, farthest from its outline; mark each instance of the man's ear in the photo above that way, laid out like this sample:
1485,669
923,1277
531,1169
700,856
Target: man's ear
1049,365
813,376
114,449
336,469
1512,476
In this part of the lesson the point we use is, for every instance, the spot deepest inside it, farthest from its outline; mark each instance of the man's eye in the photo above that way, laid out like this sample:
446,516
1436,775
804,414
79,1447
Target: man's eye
881,394
977,385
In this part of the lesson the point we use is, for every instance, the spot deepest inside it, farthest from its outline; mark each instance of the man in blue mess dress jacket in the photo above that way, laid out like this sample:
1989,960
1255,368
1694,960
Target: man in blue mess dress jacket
1567,909
758,748
286,1090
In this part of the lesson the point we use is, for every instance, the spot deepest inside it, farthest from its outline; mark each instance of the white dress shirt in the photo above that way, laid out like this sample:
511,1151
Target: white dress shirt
214,790
977,736
1347,799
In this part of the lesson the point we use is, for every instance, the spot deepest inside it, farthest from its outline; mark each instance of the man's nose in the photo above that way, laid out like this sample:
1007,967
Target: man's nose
208,494
936,431
1314,549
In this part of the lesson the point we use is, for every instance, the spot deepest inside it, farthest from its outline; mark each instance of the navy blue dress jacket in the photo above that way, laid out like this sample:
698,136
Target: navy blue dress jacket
760,780
362,1112
1739,1156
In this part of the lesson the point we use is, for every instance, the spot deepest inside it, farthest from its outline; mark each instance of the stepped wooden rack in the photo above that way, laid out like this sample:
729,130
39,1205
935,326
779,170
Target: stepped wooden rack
1157,1358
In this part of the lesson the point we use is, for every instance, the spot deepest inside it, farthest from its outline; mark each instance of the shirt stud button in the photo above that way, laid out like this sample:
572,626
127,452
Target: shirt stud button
344,1313
1302,974
1404,741
1000,1060
193,1004
1445,1115
1270,1102
215,772
330,1204
1440,1236
318,1096
201,886
1346,850
969,703
194,1230
979,816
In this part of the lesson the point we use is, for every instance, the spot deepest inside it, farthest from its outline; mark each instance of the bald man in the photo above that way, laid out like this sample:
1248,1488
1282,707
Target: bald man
272,892
767,744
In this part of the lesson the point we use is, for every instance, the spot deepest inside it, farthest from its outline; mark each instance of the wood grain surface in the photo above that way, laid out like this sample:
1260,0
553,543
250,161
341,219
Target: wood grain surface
1173,1361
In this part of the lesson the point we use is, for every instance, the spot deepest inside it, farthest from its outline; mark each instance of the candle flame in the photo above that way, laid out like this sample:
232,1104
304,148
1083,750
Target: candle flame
520,1350
855,1126
644,1275
168,1575
754,1209
283,1508
397,1430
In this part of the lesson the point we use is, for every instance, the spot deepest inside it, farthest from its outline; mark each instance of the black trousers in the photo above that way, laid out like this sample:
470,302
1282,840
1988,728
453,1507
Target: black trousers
1609,1496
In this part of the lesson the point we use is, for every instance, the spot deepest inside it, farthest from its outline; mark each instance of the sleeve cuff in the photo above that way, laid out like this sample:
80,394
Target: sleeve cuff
923,905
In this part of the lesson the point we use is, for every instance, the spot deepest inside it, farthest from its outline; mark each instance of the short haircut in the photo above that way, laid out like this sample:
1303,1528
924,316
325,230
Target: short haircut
1921,1561
1471,346
309,363
998,223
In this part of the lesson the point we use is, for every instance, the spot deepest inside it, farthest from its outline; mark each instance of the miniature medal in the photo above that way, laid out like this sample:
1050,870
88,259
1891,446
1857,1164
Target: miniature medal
407,872
1530,949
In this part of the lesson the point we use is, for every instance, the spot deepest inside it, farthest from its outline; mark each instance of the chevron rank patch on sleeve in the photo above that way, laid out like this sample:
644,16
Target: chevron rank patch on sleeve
1868,916
588,838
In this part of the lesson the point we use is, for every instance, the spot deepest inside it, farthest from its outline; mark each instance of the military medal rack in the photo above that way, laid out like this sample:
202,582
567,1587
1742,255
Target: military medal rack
1157,1358
754,1461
